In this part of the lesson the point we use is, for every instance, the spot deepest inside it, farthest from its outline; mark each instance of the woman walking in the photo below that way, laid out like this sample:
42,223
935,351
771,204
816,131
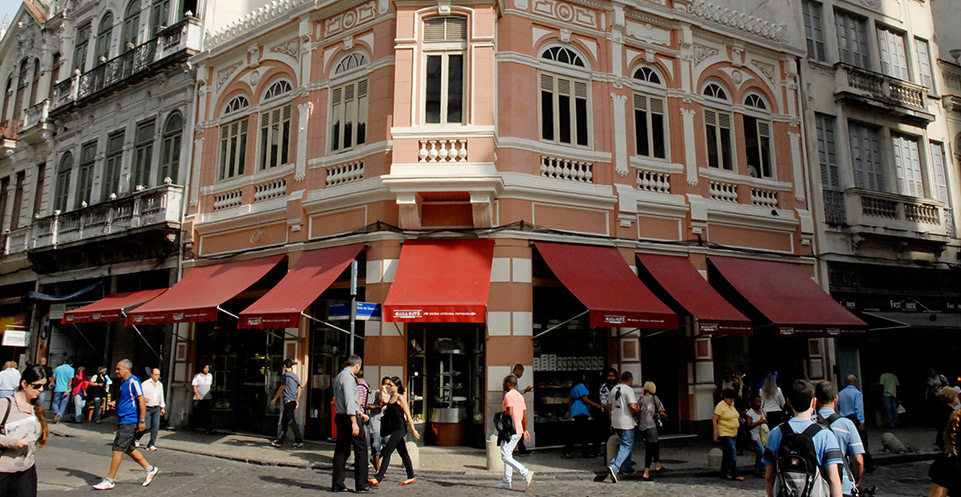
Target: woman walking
772,401
726,423
98,392
753,419
394,426
26,432
79,392
580,411
650,409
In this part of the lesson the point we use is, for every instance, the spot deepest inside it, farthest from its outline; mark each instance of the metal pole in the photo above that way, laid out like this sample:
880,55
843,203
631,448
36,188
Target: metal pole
353,302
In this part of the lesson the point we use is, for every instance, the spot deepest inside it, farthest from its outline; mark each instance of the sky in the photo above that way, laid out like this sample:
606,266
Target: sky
8,7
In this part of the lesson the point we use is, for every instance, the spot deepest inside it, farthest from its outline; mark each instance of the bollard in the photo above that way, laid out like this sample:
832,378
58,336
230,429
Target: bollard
613,445
414,452
494,461
714,458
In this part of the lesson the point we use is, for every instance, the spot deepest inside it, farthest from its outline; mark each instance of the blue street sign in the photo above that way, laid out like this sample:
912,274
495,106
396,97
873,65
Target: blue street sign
366,311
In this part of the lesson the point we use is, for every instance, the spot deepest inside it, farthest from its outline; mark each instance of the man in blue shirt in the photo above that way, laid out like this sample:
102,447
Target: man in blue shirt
581,414
801,397
132,411
847,433
63,376
851,405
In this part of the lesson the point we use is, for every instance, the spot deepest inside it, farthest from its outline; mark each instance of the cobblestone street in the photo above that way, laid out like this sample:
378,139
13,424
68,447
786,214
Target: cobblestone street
68,466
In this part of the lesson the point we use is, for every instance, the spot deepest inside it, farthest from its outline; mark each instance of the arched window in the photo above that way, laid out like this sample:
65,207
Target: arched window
757,137
647,75
718,127
63,182
236,103
564,100
104,34
350,62
278,88
714,90
170,149
563,55
131,25
22,82
36,81
3,99
756,101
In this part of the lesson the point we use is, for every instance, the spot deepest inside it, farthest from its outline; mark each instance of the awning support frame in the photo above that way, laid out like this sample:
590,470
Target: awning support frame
325,323
556,326
124,314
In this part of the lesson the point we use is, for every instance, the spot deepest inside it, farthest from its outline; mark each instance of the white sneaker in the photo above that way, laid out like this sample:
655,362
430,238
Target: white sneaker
504,485
152,447
612,474
136,444
150,474
529,479
104,485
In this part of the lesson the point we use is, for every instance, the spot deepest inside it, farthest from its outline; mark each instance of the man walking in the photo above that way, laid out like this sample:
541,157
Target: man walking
153,391
889,397
290,390
623,419
851,405
9,379
516,407
518,371
852,449
63,378
202,383
131,409
349,418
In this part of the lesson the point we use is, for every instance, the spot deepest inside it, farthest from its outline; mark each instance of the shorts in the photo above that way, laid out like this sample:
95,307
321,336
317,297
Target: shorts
126,435
946,472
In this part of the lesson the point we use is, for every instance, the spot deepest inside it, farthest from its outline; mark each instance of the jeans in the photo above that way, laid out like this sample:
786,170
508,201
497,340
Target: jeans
60,402
758,448
510,464
78,403
97,401
152,420
45,398
729,459
623,457
289,418
890,409
346,441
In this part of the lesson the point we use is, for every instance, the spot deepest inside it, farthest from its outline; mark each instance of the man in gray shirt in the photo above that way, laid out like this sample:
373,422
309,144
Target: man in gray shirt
290,389
350,429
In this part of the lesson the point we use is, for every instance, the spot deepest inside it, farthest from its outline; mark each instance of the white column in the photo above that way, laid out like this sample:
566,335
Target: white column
797,165
690,148
620,134
303,114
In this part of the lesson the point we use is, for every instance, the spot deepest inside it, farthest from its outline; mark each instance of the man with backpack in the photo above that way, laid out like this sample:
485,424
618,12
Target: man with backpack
801,455
852,450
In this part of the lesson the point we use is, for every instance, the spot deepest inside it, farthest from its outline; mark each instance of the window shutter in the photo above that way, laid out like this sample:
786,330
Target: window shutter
243,126
724,120
456,29
657,106
763,129
348,93
547,82
362,88
640,102
335,96
286,111
434,30
580,90
710,117
564,86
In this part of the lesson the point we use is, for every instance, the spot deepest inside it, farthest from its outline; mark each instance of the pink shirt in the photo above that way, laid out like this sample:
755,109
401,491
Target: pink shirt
515,400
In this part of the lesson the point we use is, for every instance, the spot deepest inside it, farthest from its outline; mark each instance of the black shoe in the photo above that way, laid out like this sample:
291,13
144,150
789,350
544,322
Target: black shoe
368,488
338,489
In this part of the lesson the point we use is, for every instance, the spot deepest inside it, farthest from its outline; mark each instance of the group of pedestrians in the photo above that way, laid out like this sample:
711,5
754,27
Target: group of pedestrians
74,388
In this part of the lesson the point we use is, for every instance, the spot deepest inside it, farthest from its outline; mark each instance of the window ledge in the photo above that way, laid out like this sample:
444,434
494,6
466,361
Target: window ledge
719,175
248,179
661,166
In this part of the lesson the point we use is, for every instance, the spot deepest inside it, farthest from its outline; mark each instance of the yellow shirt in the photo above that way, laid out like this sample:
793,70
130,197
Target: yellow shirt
728,422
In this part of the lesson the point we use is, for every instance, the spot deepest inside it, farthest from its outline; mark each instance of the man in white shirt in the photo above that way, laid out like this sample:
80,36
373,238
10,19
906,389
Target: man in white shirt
202,383
9,379
623,419
153,392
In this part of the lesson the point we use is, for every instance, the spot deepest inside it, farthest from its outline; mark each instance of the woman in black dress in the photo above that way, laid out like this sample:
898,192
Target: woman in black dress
393,427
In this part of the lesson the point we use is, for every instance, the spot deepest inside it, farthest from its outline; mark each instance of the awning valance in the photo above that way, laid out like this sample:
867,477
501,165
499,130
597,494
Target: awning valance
785,295
282,306
441,281
110,308
197,296
602,281
682,281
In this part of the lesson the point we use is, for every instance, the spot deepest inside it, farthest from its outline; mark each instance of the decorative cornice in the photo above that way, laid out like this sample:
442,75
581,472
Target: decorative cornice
738,20
251,21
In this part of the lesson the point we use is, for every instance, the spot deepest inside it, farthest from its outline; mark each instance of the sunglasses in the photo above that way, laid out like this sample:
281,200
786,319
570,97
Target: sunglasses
37,386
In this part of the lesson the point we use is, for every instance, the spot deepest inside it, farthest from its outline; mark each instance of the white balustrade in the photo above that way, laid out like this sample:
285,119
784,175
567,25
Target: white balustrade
345,173
228,200
566,169
725,192
443,150
270,190
764,198
652,181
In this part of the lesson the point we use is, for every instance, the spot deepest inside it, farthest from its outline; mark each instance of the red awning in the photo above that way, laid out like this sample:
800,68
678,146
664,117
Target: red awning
682,281
441,281
313,273
109,308
601,279
787,296
197,296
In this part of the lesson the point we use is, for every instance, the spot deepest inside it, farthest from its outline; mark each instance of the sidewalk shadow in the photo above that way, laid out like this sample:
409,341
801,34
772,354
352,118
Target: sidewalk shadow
89,478
294,483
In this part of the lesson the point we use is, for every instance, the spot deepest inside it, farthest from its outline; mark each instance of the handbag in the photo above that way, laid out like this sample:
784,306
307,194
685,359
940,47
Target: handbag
658,420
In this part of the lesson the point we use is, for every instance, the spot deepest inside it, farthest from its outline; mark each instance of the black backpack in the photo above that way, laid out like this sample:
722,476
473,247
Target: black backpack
504,425
797,473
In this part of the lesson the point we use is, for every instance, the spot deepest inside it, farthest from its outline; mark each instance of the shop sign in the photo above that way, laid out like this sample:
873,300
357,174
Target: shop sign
57,310
15,338
366,311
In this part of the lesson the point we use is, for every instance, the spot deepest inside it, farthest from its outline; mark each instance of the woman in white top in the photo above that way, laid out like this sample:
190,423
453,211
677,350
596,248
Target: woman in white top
754,419
26,432
772,401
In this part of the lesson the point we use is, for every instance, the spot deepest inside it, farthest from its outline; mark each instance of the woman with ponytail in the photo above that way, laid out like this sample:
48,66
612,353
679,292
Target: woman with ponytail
23,432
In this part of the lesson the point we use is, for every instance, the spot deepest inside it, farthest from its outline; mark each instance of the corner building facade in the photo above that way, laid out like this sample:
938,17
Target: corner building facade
564,185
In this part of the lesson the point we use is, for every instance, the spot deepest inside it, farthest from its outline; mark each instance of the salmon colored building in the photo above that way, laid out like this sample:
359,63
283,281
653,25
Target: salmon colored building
569,186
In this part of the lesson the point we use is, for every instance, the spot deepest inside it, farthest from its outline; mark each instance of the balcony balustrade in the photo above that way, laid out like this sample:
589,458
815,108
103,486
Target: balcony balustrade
889,213
881,90
36,115
566,169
